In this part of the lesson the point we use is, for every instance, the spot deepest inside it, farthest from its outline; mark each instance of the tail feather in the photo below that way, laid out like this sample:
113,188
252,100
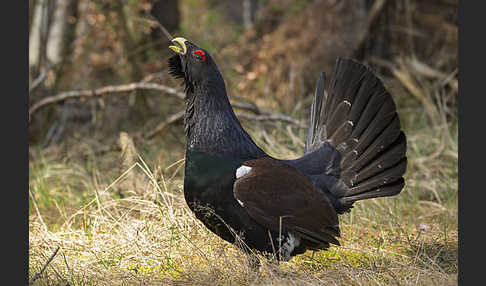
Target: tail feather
341,91
379,143
389,175
341,134
339,116
377,114
370,96
363,139
387,159
316,106
359,120
383,191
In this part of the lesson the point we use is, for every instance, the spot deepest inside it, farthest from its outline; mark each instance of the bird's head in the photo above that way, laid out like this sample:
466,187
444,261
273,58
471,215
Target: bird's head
192,63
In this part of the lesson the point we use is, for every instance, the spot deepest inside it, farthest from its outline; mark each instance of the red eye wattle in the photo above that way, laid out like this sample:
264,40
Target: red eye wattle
201,54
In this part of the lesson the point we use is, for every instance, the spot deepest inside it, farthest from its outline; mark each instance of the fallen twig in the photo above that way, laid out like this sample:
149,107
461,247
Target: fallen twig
261,115
38,274
155,22
272,117
247,106
104,90
160,127
123,88
178,116
40,78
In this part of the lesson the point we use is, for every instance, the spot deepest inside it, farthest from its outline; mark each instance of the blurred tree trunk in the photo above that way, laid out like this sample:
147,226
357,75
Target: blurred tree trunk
128,40
51,32
37,38
378,38
166,12
57,31
248,13
168,15
31,12
133,57
242,12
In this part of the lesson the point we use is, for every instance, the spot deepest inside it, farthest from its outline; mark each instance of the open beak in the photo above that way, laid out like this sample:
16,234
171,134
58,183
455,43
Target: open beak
180,46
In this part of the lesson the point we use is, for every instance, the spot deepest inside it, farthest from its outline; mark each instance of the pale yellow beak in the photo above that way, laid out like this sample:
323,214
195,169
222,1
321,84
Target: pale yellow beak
180,46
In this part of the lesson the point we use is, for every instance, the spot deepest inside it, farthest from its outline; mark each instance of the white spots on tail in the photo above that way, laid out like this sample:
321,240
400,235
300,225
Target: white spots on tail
241,171
347,102
241,203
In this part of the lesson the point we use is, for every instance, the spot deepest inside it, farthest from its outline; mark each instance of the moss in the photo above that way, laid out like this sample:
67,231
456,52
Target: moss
334,257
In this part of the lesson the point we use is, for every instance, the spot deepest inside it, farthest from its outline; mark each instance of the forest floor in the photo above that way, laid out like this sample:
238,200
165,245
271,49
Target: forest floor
116,226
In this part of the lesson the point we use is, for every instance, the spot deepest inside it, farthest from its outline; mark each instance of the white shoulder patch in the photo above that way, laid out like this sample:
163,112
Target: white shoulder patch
241,171
241,203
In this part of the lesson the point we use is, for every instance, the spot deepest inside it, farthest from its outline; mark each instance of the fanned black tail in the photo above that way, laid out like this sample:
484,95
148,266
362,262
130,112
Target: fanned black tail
358,118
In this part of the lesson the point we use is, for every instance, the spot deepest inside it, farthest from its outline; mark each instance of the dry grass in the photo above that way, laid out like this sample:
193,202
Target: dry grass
153,238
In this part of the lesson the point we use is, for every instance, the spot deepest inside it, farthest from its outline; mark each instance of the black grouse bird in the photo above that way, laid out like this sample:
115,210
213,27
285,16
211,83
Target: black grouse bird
355,150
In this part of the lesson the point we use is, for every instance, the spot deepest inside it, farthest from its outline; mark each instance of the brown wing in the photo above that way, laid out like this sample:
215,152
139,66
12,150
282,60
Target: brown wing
273,191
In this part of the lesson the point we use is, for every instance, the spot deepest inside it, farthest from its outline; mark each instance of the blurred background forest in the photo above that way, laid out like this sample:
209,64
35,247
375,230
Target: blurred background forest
270,53
101,99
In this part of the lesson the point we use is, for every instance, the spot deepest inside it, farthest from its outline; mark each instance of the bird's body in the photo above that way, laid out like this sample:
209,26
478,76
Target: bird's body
354,150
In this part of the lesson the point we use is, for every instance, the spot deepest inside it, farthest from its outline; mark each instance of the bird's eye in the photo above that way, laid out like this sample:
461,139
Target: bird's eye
200,55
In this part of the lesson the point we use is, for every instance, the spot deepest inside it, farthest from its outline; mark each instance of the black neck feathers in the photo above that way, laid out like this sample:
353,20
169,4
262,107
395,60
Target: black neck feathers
211,125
